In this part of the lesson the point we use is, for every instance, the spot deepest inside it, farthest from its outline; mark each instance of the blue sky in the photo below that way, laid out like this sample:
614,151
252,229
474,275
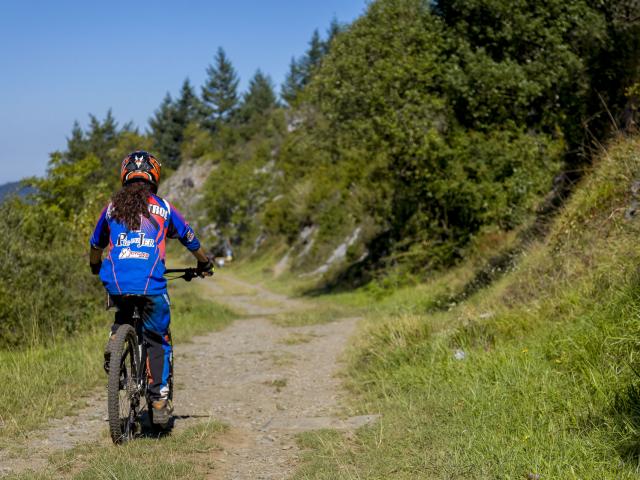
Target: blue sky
61,60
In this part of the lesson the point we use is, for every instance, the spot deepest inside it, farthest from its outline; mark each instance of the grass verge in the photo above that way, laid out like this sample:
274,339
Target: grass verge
187,455
532,377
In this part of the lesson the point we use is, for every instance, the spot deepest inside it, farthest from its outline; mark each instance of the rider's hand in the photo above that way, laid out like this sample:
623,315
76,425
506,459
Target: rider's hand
95,267
205,269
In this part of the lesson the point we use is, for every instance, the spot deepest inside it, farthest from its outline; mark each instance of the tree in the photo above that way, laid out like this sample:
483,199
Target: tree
312,58
166,132
301,71
76,144
103,136
292,82
220,91
259,98
335,28
188,107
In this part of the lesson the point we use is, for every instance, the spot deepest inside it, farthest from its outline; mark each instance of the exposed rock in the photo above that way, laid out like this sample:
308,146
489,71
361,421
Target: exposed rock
282,265
260,239
184,187
338,254
305,239
308,239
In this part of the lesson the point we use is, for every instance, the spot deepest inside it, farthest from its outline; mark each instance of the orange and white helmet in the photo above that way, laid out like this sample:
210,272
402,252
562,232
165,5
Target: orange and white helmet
140,166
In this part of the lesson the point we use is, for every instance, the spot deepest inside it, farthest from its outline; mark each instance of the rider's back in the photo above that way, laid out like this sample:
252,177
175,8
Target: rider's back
134,262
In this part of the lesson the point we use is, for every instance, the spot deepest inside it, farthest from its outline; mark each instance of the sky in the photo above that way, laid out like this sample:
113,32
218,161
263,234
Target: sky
62,60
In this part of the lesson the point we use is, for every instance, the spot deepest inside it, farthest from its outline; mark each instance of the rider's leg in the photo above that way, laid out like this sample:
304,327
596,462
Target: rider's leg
124,311
156,316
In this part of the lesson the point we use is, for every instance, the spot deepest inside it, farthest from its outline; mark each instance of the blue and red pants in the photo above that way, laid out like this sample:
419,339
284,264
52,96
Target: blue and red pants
155,313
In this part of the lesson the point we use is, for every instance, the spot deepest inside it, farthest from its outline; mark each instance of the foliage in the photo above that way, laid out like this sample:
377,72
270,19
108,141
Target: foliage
170,122
259,99
220,91
434,121
48,291
535,376
167,133
302,69
245,177
189,107
383,140
292,83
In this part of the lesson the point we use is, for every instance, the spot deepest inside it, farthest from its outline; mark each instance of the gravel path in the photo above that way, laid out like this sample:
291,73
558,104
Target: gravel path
266,382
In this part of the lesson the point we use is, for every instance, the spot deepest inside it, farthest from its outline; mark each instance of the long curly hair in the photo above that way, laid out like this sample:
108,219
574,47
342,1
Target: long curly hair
131,203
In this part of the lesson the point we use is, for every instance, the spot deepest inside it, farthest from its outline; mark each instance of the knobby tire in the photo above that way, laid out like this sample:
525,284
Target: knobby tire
123,398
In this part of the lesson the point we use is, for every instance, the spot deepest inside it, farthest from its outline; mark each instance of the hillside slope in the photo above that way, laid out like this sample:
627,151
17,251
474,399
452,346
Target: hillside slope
425,125
533,377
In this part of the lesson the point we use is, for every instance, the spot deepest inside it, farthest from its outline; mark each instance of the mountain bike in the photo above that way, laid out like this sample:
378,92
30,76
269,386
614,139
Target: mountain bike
127,373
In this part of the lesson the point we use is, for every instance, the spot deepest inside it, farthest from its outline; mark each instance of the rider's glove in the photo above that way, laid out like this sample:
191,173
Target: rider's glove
205,268
95,267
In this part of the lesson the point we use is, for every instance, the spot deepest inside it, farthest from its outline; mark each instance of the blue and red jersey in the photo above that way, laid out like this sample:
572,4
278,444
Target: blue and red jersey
134,262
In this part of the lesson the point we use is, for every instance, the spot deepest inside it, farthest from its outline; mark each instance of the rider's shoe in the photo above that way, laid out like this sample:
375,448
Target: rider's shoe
162,410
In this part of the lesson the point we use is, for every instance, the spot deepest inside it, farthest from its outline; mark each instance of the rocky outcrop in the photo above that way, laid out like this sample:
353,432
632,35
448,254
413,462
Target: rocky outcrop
184,187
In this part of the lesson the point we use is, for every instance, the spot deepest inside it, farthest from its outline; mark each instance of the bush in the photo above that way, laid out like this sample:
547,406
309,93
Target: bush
47,290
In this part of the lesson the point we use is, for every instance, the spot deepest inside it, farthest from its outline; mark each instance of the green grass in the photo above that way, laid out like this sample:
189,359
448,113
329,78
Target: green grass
47,382
54,381
187,455
546,383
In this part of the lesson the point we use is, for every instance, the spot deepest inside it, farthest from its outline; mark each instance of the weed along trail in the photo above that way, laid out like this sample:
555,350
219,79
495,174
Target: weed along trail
267,377
267,382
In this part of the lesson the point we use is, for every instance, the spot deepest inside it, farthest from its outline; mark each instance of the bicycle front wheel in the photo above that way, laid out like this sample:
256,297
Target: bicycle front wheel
123,396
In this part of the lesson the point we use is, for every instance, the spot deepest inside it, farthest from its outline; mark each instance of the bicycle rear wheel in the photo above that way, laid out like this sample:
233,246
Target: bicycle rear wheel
123,396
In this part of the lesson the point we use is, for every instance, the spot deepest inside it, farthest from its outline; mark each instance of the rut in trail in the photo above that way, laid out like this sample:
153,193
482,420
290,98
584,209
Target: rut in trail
266,382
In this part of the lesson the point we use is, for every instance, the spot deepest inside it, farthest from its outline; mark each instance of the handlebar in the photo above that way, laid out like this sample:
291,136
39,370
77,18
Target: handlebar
187,273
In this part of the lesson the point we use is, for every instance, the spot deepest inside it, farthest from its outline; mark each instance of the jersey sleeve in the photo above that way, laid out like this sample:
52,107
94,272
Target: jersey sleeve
180,229
100,237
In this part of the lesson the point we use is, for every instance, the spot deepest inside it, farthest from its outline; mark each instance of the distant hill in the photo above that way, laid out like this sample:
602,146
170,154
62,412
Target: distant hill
14,188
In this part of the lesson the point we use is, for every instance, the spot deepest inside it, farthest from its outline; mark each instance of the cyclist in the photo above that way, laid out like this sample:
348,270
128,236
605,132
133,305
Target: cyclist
133,228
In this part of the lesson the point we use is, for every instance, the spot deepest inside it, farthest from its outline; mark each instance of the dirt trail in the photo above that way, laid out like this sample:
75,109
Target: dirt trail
266,382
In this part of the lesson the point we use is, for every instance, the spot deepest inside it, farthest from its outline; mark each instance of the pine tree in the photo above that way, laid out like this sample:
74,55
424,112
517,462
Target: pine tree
167,133
188,107
292,82
220,91
76,145
301,71
102,136
335,28
312,57
259,98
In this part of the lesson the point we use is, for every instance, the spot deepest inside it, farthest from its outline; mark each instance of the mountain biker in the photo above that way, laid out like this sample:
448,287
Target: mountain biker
133,228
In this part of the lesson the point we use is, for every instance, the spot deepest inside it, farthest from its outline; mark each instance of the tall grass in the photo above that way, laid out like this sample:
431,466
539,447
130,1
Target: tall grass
533,377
